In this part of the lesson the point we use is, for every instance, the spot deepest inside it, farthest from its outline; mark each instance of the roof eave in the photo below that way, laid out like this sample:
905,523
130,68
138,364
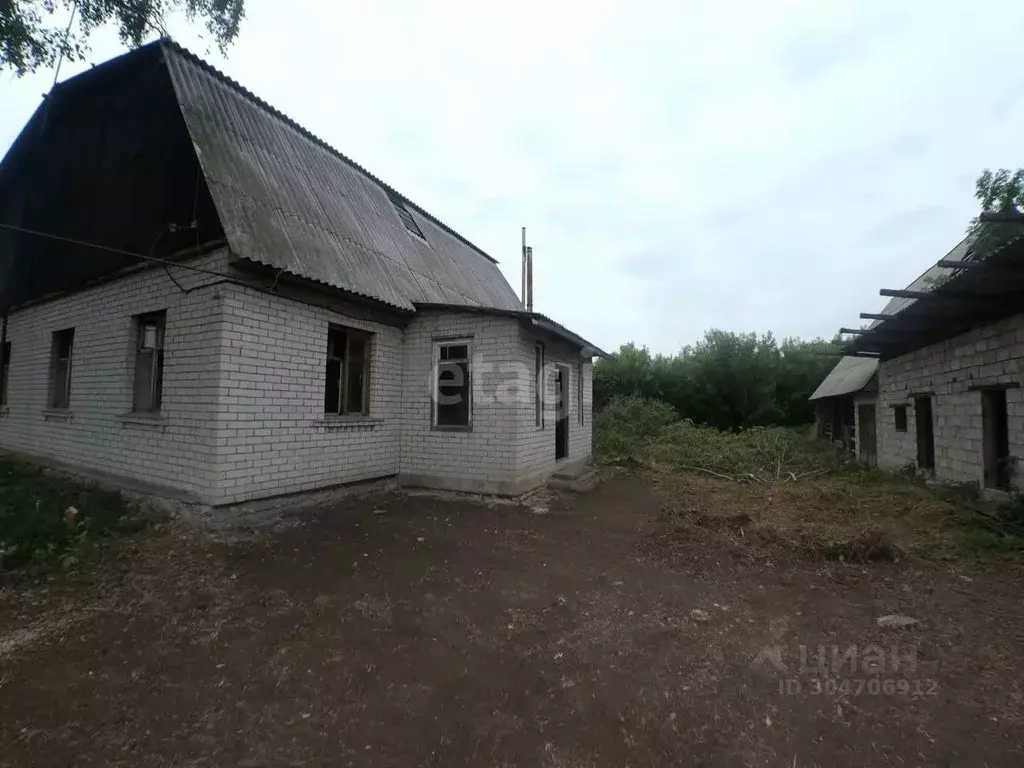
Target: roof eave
982,292
534,319
550,326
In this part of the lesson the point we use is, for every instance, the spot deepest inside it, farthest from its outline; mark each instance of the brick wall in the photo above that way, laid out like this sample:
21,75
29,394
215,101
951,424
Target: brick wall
505,451
242,414
273,437
97,433
985,356
536,445
486,455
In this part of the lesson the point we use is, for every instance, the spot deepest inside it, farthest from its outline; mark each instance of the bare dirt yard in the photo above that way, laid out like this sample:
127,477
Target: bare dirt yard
659,620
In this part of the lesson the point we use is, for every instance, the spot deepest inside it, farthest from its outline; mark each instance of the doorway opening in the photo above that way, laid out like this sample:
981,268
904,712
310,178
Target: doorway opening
866,440
925,433
562,417
995,439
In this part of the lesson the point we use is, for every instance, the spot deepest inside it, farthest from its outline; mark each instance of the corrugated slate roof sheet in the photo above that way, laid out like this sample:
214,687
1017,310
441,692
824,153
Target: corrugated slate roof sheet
536,319
851,374
288,200
926,281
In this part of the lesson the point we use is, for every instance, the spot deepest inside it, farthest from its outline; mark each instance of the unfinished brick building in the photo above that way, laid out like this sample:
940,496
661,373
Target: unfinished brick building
201,296
950,359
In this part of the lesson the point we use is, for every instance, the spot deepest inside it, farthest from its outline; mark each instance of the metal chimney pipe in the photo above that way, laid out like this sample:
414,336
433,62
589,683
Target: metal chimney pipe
529,278
522,293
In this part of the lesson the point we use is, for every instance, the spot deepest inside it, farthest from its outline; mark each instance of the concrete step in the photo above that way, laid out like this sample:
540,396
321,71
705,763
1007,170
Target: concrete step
579,481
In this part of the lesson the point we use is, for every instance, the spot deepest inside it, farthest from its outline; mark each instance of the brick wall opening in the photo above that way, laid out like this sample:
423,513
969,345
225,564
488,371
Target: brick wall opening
996,439
925,433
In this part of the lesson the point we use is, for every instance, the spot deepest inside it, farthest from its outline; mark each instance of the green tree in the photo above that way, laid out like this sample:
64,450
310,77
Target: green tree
803,365
34,33
726,380
734,377
629,372
998,192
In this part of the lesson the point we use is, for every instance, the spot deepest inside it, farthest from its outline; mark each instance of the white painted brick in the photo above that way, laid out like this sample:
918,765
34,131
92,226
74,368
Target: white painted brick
174,455
243,392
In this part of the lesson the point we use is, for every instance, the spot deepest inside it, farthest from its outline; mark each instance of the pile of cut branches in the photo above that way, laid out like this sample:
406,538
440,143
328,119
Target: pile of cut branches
756,455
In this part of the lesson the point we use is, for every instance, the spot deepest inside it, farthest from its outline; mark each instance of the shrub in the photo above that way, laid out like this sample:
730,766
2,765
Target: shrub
1003,529
49,521
628,422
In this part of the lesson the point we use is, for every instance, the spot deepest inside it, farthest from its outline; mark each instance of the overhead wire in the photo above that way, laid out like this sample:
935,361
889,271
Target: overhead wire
6,292
122,252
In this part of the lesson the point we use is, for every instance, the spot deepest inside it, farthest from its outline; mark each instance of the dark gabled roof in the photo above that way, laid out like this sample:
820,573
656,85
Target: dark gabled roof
289,201
281,197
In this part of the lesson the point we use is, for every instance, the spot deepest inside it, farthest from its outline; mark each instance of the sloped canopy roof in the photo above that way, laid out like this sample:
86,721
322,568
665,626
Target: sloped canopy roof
926,281
963,290
289,201
851,375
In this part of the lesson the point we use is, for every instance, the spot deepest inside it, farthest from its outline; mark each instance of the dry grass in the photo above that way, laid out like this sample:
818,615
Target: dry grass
854,516
773,486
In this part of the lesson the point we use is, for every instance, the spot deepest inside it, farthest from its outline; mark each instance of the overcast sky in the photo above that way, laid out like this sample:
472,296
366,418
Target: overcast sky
679,166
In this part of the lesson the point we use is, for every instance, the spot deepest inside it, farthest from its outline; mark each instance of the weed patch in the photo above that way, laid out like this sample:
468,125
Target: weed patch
774,486
49,522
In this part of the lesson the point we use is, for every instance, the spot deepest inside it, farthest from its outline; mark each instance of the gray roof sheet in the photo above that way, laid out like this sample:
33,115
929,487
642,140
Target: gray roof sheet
926,281
288,200
536,319
850,375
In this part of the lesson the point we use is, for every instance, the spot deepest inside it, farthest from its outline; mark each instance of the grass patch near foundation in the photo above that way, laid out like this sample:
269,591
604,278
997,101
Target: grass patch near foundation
50,522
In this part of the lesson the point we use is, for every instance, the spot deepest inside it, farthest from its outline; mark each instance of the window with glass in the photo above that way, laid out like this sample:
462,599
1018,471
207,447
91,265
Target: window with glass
149,362
346,390
62,345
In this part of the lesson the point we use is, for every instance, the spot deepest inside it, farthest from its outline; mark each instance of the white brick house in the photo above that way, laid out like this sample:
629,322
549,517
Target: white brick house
949,354
236,311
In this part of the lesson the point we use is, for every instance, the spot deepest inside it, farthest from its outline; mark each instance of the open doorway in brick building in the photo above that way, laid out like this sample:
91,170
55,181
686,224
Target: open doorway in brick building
996,438
562,420
925,433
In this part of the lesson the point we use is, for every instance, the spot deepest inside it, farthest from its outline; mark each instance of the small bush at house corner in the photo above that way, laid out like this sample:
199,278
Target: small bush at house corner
50,522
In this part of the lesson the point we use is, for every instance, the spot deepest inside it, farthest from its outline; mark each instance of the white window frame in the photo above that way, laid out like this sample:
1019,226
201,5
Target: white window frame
345,360
436,370
64,382
155,353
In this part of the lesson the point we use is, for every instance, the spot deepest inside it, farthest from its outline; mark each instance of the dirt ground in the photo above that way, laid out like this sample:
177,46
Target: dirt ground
397,630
